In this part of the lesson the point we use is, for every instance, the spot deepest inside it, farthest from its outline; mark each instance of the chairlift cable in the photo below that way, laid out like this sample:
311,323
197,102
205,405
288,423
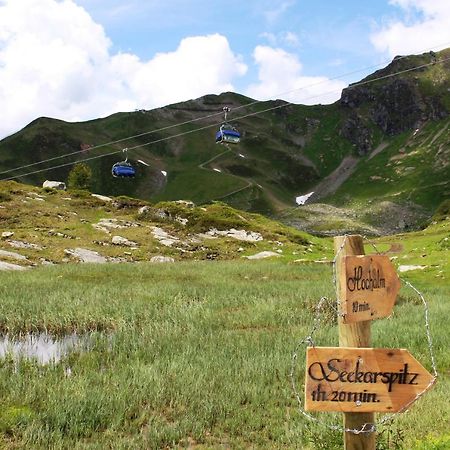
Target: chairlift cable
354,85
214,114
279,95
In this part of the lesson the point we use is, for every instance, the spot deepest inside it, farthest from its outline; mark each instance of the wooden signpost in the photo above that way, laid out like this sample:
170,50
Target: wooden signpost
368,287
354,378
362,379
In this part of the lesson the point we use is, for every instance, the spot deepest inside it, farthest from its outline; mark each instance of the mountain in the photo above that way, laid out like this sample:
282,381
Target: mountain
378,157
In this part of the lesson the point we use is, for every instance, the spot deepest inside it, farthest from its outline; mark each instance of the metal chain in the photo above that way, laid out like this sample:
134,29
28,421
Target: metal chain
309,341
426,310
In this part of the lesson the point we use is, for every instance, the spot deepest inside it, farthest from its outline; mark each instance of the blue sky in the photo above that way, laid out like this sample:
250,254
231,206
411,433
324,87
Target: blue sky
81,59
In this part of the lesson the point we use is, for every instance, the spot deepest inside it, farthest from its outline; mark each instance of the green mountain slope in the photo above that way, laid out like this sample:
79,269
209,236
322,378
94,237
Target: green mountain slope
47,226
385,142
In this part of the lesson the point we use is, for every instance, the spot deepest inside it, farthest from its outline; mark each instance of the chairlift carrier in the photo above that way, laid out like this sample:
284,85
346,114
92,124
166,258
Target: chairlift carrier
123,169
227,134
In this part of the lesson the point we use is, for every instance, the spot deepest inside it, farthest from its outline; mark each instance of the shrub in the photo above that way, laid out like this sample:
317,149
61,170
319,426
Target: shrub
80,177
442,211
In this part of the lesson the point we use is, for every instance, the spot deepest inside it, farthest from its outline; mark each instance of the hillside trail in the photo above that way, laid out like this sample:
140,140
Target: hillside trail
335,179
276,202
436,135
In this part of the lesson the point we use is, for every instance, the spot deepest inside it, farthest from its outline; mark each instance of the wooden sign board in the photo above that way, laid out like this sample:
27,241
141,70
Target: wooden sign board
350,379
369,287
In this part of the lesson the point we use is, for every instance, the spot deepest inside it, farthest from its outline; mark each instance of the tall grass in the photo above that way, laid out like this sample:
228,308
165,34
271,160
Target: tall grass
186,354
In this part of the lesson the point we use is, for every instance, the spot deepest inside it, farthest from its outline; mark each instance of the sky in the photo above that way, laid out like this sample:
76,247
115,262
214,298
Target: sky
77,60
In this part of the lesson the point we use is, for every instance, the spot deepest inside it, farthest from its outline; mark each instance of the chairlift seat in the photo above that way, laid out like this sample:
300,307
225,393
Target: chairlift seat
123,170
228,134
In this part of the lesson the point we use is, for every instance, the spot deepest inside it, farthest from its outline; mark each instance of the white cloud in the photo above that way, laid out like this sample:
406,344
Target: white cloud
280,75
415,34
291,38
56,61
277,10
200,65
283,38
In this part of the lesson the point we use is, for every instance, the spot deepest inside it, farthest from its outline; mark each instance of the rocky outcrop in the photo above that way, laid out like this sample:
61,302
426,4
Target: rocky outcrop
399,107
9,266
86,256
241,235
119,240
263,255
162,259
358,134
395,105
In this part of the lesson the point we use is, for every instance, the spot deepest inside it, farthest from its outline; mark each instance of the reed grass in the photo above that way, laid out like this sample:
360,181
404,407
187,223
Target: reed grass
190,354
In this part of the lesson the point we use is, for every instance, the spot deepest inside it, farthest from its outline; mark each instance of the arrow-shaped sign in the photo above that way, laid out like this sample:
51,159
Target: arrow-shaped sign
349,379
369,287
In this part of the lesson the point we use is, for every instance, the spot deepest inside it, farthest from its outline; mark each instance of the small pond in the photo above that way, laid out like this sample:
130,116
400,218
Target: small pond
44,348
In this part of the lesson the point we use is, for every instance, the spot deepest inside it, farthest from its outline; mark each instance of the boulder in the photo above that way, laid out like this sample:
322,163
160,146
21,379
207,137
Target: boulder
60,185
185,203
162,259
86,256
119,240
262,255
102,197
9,266
240,235
12,255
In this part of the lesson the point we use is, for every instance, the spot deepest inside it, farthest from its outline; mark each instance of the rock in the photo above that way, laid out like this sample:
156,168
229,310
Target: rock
262,255
107,224
119,240
357,133
102,197
9,266
85,255
185,203
12,255
46,262
407,268
160,214
162,259
20,244
163,237
241,235
60,185
7,234
143,210
181,220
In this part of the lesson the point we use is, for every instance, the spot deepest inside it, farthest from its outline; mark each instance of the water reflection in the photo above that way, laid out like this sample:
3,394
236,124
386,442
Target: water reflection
43,348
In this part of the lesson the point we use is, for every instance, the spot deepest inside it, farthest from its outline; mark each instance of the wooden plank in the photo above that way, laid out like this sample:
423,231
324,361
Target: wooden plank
356,334
363,379
368,287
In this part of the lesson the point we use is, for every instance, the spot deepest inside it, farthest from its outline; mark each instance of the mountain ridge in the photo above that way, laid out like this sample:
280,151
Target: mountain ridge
286,149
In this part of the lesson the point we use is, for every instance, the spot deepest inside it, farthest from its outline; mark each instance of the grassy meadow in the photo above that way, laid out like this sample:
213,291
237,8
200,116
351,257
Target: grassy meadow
194,355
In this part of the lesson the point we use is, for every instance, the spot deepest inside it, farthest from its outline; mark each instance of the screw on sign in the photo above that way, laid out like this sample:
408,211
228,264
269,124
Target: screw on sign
349,379
369,287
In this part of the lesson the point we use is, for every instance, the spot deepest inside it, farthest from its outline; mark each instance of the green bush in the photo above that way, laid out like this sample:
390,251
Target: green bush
80,177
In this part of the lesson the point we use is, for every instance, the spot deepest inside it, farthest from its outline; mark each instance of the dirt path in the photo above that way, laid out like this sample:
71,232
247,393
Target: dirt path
330,184
276,202
395,248
379,149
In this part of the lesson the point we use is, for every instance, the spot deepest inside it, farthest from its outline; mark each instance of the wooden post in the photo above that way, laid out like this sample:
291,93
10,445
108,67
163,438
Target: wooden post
353,335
